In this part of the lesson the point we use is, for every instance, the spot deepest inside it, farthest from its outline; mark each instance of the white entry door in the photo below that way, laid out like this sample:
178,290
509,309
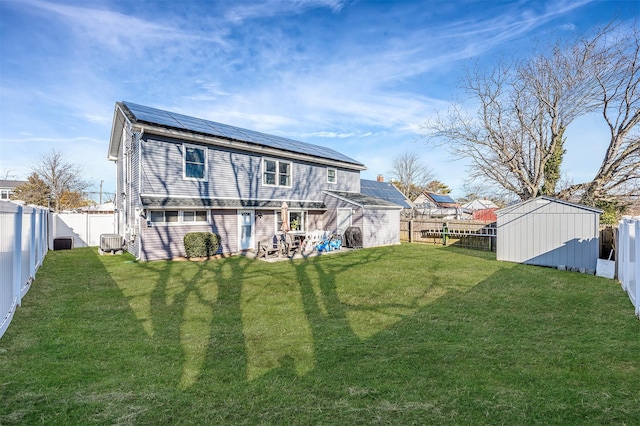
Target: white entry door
245,229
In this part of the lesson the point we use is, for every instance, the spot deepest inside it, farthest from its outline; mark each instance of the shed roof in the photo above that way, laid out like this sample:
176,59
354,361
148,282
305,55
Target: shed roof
364,200
160,119
550,199
384,190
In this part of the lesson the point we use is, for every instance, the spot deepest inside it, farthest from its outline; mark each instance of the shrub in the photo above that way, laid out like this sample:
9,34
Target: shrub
201,244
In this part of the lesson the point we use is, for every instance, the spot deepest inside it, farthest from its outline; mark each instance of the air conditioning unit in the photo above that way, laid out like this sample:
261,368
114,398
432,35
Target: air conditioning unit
110,243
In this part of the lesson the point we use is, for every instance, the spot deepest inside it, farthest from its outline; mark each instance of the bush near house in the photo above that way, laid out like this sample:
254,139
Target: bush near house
201,244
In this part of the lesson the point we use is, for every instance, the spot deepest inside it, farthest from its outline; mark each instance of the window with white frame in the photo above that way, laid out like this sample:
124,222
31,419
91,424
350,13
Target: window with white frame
297,220
176,217
276,172
190,216
164,216
332,175
195,162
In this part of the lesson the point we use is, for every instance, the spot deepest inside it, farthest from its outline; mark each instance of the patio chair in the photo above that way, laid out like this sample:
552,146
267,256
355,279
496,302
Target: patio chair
292,245
267,249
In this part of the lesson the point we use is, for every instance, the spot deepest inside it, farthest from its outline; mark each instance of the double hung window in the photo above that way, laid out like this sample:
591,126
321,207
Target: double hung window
276,172
195,162
332,176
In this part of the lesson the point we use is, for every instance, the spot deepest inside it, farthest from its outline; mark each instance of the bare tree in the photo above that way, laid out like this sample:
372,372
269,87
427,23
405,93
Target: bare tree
410,175
516,138
616,72
62,179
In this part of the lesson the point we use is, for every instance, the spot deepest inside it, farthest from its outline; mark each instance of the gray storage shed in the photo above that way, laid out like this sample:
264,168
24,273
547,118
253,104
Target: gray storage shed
546,231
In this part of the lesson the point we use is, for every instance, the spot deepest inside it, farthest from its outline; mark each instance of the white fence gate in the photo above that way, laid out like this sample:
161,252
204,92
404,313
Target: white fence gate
629,259
23,246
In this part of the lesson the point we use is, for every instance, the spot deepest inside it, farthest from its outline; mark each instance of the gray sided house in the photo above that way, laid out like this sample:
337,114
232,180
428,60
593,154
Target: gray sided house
545,231
178,174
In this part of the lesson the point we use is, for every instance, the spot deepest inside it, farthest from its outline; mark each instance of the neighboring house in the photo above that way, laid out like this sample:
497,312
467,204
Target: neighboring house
546,231
7,188
479,205
484,210
437,206
104,208
178,174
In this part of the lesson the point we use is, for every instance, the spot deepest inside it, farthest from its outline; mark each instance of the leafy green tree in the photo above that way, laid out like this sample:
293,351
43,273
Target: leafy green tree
437,187
34,191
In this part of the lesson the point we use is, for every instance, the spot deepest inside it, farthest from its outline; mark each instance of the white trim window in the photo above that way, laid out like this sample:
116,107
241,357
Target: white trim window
332,175
194,161
297,219
177,217
194,216
164,217
276,172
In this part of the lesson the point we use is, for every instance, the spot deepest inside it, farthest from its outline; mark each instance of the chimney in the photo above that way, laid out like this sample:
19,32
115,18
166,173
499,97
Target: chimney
380,178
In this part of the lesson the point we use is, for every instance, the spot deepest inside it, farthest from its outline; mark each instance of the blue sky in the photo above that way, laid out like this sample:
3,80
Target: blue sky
357,76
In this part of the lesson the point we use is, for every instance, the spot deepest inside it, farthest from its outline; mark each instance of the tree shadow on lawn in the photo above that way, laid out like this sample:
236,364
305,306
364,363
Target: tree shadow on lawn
453,340
506,351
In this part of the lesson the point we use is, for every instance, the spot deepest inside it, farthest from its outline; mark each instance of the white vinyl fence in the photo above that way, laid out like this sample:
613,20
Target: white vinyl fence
23,246
629,259
84,228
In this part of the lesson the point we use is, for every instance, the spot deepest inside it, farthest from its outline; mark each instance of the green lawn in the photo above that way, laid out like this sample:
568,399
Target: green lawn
410,334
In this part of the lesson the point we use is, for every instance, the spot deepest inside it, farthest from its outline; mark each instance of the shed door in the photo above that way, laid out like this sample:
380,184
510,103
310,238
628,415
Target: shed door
344,220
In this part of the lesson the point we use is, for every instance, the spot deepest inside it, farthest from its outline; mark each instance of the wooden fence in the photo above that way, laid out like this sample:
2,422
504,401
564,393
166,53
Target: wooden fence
477,235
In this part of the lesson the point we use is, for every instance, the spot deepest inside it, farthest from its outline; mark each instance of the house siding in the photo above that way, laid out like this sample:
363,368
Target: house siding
127,195
547,233
331,215
265,226
381,227
167,242
232,174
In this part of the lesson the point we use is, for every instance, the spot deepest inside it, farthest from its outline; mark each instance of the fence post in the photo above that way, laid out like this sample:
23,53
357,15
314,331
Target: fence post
637,268
623,240
32,245
411,230
17,253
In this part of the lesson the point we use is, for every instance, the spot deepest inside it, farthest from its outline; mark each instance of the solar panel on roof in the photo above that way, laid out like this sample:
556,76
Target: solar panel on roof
384,190
180,121
438,198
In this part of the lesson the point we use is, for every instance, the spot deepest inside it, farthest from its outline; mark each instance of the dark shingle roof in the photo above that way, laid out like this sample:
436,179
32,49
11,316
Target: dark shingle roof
175,202
5,183
363,199
143,114
385,191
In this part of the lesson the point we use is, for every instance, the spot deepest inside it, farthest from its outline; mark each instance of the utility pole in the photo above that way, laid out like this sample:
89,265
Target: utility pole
101,192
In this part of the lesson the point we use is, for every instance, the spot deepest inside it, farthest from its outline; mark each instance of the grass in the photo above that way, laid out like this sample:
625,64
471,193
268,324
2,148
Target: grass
410,334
